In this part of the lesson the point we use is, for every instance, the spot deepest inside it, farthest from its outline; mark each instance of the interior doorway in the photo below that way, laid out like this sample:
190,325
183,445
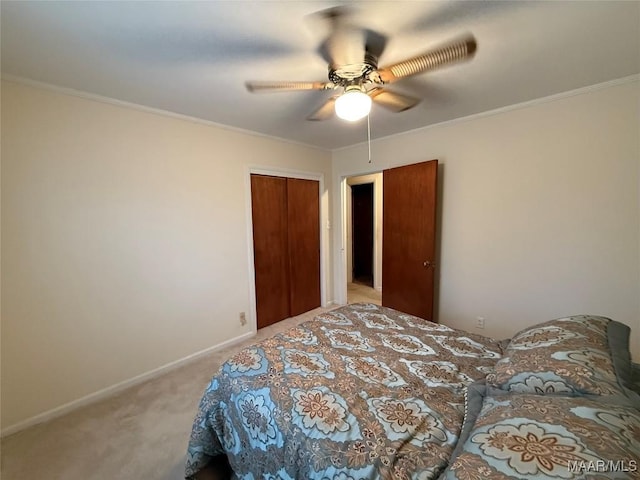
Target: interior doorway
362,228
404,239
364,238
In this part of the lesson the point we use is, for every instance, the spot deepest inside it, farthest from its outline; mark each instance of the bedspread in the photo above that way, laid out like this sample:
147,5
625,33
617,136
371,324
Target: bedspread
360,392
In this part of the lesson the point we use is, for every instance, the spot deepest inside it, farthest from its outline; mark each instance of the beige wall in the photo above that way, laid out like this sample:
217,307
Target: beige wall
124,242
539,210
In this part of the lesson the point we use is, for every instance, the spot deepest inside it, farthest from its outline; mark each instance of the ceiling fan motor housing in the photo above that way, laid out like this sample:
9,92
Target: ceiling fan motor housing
353,74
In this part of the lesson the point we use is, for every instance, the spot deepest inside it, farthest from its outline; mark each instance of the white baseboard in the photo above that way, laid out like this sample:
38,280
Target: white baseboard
118,387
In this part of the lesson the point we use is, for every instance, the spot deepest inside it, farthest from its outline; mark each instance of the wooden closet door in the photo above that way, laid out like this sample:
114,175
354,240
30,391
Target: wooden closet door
303,206
270,248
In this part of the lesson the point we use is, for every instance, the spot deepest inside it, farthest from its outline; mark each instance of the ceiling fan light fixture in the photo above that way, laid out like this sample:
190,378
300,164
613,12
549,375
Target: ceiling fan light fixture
353,104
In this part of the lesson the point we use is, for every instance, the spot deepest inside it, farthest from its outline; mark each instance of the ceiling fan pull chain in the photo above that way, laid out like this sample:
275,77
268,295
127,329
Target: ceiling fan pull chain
369,135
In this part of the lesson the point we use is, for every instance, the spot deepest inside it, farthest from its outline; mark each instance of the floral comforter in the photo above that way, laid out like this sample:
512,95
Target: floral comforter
360,392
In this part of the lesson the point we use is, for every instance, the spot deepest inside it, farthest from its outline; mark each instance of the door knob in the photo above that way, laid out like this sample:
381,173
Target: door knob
429,264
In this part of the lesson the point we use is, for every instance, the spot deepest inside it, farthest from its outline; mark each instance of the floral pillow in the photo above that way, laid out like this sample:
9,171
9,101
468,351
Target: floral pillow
576,355
534,436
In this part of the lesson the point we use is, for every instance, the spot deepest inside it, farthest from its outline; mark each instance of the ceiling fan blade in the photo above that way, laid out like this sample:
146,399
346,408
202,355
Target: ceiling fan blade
444,55
345,44
325,112
260,87
374,43
396,102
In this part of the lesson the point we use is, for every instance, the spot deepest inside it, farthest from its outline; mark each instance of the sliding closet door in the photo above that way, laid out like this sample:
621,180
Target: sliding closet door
270,248
286,246
303,206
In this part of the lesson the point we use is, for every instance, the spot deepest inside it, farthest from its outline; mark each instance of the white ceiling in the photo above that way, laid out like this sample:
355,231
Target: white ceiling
192,58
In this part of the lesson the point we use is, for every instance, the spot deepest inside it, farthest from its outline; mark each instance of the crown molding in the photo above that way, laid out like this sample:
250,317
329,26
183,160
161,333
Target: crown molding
142,108
516,106
178,116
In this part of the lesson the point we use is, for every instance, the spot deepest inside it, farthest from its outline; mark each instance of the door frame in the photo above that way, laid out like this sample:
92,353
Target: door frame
376,179
340,278
324,236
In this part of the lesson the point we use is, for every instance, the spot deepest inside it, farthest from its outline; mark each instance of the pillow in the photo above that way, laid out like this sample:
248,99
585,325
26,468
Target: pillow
576,355
532,436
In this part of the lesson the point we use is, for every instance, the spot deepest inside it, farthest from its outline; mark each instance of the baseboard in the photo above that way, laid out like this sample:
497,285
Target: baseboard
118,387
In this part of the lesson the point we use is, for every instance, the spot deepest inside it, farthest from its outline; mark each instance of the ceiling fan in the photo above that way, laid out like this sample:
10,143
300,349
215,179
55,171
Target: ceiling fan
352,53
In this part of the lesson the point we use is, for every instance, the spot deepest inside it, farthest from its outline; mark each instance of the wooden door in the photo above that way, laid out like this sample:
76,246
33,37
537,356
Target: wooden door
270,248
362,232
303,206
286,246
408,238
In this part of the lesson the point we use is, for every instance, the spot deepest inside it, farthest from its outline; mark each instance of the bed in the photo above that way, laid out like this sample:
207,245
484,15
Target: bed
367,392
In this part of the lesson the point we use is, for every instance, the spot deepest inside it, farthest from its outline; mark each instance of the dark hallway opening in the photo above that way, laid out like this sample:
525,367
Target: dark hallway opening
362,228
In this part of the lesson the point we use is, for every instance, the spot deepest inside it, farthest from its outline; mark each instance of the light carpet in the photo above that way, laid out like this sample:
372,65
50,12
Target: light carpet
357,292
141,433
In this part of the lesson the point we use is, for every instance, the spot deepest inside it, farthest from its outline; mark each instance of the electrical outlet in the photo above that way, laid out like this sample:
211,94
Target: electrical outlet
479,322
243,319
